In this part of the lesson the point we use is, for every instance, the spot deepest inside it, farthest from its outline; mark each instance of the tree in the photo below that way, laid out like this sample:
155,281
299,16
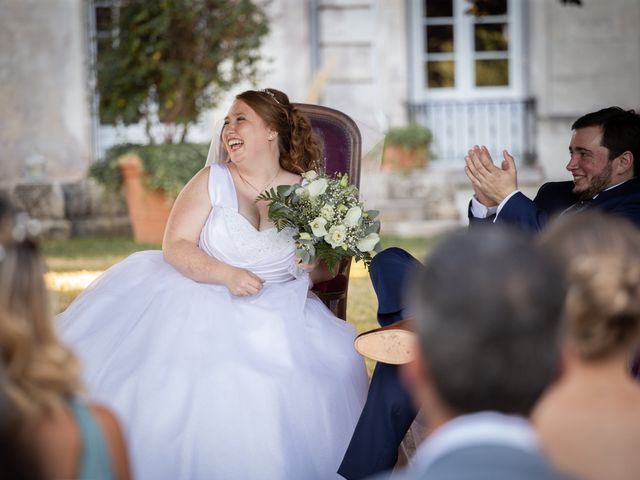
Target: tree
172,59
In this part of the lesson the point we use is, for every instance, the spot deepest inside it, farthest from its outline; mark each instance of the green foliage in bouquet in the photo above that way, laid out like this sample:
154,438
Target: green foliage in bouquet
329,219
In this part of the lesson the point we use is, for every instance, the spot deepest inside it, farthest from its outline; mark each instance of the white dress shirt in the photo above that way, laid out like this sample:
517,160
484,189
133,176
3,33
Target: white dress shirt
476,429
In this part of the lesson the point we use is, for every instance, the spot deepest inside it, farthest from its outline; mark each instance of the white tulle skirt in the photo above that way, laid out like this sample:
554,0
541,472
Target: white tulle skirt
212,386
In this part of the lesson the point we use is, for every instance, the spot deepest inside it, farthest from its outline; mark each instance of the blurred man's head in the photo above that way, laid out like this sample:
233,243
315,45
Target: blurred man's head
488,307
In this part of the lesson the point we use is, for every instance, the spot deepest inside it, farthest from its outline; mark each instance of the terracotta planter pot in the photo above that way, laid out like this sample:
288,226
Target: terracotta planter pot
397,158
148,210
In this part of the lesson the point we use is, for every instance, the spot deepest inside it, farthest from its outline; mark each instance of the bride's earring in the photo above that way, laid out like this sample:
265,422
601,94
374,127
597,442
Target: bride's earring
271,136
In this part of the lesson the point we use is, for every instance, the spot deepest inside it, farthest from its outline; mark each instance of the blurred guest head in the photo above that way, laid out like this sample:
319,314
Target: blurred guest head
488,308
18,459
601,255
40,372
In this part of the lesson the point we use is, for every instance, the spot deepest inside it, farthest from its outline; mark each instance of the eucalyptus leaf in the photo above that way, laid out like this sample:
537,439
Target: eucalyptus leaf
303,255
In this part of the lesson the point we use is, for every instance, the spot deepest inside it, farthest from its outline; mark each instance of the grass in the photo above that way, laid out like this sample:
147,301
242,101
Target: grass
89,253
73,263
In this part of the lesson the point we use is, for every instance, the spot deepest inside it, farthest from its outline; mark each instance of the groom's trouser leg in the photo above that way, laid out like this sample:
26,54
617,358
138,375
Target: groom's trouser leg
388,411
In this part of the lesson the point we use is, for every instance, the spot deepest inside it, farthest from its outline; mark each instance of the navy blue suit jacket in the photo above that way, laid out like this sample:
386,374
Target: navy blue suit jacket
554,197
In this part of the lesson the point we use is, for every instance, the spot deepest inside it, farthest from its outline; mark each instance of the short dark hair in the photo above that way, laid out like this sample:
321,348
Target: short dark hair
488,306
620,131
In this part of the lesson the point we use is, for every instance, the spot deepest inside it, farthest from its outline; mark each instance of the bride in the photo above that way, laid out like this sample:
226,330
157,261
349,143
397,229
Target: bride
217,358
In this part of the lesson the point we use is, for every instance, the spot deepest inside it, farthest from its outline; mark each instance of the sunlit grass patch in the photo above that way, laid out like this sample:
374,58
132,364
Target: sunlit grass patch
70,281
89,253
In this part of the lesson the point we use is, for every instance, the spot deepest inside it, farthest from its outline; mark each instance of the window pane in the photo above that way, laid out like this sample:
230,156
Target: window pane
439,38
103,19
438,8
440,74
491,7
491,37
492,73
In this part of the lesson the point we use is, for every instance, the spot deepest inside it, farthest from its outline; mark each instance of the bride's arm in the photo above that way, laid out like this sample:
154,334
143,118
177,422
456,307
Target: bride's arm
180,244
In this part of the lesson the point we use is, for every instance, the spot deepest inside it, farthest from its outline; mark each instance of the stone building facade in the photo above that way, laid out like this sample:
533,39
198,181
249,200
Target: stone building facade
516,80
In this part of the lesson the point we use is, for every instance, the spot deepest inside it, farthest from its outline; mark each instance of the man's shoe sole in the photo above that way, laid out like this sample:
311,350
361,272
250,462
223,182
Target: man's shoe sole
391,345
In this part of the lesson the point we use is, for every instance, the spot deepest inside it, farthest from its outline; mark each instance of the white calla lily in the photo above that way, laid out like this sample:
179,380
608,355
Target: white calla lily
352,216
317,187
317,226
368,243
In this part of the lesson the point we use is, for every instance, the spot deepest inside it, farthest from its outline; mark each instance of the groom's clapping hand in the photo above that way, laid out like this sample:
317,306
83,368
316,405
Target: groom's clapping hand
490,183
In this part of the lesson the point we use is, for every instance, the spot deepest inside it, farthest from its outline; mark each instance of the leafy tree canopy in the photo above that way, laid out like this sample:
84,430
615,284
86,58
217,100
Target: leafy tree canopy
172,59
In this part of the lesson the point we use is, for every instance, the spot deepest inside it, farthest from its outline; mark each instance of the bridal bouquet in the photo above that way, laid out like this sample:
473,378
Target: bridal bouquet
329,220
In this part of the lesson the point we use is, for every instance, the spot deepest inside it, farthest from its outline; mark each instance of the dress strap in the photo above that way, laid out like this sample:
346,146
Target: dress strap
95,461
222,192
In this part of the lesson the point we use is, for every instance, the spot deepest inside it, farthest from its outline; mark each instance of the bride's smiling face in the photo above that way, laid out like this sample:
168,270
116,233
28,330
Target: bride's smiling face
244,133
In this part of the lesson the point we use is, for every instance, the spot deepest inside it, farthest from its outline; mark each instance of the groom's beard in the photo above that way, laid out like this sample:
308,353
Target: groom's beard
597,185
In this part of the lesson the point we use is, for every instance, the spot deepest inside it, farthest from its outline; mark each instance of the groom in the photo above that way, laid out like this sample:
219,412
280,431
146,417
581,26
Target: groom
604,162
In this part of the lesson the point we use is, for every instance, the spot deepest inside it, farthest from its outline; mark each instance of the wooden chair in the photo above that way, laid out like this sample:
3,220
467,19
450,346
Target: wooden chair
342,151
342,145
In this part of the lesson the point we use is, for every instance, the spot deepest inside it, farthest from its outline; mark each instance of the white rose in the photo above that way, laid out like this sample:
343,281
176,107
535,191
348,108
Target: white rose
352,216
310,175
300,191
367,243
336,235
327,211
317,226
317,187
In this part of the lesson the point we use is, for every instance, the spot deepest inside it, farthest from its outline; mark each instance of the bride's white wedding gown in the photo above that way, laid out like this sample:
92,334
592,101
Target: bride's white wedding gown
213,386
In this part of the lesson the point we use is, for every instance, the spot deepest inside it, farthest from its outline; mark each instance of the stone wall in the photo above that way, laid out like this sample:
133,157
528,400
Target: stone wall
581,59
72,208
415,203
362,47
45,122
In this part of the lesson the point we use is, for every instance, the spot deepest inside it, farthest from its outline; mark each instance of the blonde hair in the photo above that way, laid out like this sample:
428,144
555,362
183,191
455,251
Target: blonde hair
41,372
601,257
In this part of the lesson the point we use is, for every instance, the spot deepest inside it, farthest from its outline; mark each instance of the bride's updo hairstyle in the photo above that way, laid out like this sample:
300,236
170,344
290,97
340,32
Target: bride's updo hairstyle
601,257
300,148
40,372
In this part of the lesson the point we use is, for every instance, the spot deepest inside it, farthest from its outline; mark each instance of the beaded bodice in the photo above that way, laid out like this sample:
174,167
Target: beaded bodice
231,238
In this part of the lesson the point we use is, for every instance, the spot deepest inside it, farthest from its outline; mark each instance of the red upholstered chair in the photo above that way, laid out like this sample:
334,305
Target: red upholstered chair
342,146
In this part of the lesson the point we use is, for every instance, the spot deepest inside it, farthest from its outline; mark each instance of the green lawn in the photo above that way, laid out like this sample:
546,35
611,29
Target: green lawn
85,257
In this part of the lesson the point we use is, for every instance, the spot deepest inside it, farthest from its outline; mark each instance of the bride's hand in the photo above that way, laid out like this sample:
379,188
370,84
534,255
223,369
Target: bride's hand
307,267
242,282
